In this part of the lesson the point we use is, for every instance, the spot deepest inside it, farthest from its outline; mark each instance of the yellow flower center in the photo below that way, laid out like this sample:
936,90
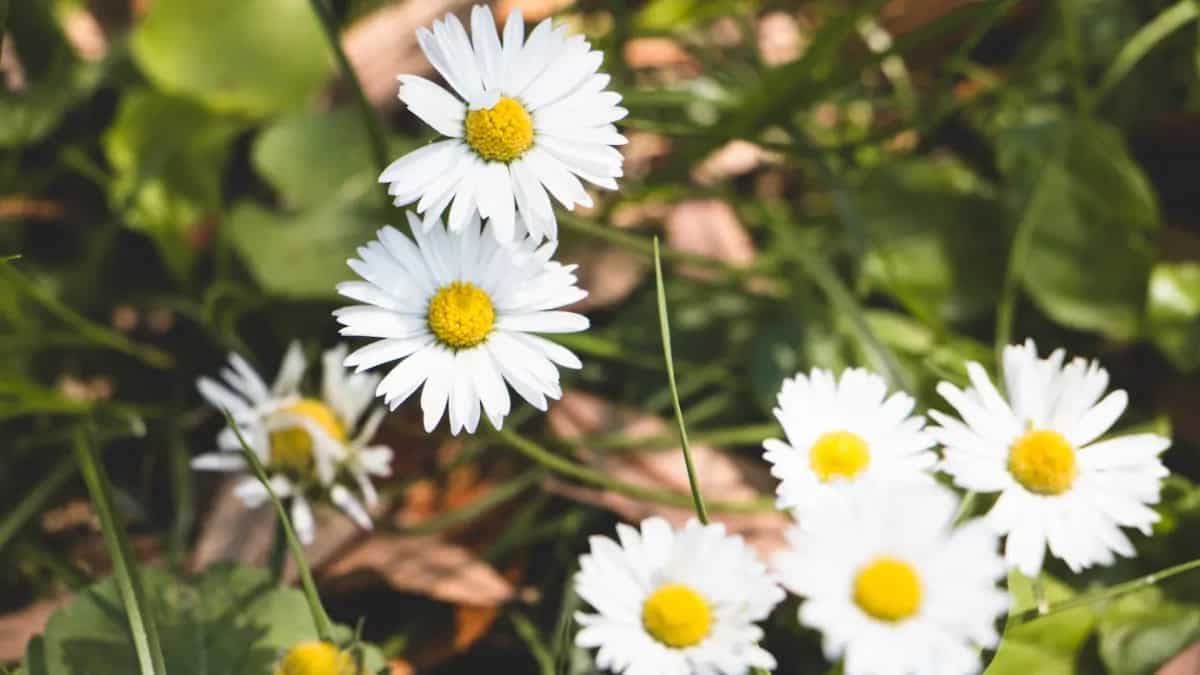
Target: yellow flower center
502,132
1043,461
316,658
461,315
888,589
677,616
839,454
292,447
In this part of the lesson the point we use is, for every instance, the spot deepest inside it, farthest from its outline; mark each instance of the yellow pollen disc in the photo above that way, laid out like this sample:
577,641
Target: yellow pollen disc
888,589
292,447
839,454
1044,462
501,133
677,616
461,315
315,658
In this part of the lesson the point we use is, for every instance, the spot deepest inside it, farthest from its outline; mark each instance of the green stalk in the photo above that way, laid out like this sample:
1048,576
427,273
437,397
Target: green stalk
319,617
375,136
1172,19
96,333
665,328
1105,594
1022,243
141,621
32,503
583,474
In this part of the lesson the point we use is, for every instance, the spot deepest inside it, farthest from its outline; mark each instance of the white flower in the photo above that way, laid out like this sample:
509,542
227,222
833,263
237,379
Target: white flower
527,119
305,443
844,431
893,587
1036,445
458,312
675,603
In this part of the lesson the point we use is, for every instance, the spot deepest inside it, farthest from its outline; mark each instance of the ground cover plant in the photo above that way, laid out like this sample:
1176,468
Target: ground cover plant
553,336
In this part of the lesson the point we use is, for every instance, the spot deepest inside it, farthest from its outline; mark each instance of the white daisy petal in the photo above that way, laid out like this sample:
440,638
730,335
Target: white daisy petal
674,602
842,431
527,119
472,335
892,585
434,105
1058,490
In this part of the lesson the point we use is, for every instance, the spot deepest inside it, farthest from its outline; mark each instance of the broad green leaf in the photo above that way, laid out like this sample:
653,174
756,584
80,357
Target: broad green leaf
309,155
1173,312
304,255
1140,632
168,155
56,78
248,56
229,621
933,235
1094,221
1048,646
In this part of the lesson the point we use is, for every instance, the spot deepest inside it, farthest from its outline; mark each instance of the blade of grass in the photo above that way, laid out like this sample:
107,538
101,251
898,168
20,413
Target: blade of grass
320,618
142,626
665,329
529,634
32,503
98,334
1148,36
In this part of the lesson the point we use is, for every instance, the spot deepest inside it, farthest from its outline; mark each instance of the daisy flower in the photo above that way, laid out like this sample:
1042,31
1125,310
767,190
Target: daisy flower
526,119
842,431
893,587
675,603
459,313
1037,446
316,657
307,445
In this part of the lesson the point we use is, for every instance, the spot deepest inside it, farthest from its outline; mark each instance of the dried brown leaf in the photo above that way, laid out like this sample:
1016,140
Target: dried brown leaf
735,158
19,627
608,273
533,10
383,44
427,565
709,227
1186,662
722,477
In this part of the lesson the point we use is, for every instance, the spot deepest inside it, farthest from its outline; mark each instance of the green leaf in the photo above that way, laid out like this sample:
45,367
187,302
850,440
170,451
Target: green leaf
1094,221
1048,646
168,154
232,620
934,235
248,56
1140,632
1173,312
304,255
307,155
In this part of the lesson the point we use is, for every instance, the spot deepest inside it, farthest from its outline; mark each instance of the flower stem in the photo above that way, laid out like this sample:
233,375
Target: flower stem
1106,594
375,136
142,626
584,474
665,326
320,618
